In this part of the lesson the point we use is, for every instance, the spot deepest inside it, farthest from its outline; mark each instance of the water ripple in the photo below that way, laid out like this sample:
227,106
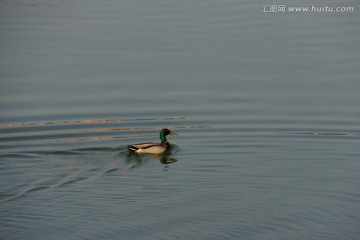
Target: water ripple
91,121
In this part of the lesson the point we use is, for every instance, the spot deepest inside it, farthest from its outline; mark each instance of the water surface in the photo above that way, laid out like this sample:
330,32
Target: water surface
265,105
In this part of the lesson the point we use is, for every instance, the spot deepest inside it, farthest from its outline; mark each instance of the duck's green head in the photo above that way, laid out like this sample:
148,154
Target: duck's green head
163,133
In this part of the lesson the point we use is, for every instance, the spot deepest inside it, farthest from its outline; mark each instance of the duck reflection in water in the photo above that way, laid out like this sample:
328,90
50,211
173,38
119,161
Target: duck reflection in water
136,160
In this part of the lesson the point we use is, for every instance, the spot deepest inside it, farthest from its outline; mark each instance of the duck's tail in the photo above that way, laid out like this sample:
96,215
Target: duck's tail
132,148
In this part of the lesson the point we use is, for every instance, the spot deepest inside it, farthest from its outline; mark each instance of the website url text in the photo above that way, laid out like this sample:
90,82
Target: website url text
277,8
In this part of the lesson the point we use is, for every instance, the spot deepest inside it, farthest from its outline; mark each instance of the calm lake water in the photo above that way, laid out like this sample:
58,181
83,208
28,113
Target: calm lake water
266,107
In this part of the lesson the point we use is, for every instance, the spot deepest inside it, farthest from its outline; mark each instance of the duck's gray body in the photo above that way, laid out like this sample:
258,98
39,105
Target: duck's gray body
151,147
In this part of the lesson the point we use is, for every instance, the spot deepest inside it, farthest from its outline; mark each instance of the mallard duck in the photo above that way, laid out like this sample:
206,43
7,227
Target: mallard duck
151,147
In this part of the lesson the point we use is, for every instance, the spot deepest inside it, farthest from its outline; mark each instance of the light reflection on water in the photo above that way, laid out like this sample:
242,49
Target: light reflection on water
266,108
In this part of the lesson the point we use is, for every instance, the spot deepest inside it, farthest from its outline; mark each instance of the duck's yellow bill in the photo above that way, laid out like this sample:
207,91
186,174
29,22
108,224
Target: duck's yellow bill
172,133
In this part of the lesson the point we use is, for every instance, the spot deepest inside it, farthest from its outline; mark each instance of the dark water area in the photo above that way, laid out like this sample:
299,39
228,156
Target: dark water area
265,105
